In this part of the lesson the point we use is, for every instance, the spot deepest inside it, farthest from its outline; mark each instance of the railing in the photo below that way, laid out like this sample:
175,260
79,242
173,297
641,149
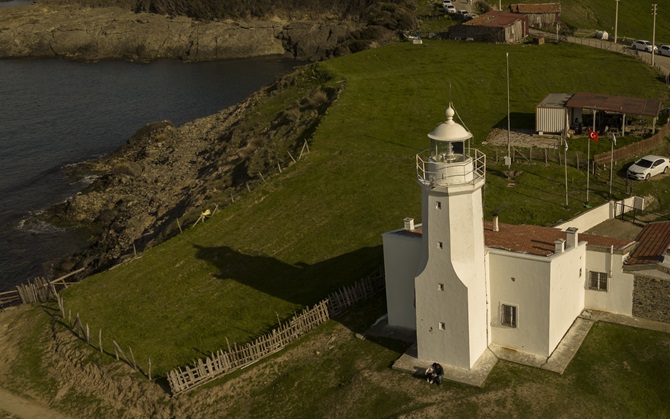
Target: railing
469,169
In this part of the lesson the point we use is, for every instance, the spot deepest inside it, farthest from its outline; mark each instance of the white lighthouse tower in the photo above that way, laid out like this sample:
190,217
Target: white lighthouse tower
451,290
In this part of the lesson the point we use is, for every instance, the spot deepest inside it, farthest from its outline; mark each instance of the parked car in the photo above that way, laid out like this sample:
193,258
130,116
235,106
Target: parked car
446,3
664,50
642,45
450,9
648,166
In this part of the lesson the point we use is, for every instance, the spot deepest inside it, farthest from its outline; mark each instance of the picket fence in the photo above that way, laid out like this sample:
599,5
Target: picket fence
236,357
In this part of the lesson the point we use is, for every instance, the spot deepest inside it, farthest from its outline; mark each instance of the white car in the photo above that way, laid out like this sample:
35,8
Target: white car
450,9
446,3
643,46
664,50
648,166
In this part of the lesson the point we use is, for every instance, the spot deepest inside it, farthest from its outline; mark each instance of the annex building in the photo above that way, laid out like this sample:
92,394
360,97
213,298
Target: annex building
465,285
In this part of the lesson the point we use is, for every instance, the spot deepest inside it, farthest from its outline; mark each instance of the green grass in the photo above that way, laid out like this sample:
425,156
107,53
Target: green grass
635,18
318,225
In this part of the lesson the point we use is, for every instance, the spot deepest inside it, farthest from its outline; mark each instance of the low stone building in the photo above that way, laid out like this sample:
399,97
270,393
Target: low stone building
493,26
541,16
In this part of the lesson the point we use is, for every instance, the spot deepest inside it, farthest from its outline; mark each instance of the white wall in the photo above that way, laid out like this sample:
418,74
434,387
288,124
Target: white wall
619,296
529,291
568,270
597,215
402,252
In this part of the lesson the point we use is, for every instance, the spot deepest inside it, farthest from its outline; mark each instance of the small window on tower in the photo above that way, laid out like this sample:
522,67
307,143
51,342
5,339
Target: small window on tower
439,245
440,287
442,326
508,315
438,205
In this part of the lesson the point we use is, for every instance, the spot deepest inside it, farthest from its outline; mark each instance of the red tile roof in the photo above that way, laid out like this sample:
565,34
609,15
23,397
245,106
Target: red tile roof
611,103
654,241
495,18
536,8
538,240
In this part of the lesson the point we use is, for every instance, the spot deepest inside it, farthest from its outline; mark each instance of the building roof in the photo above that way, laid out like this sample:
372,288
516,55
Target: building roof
654,241
555,100
535,8
539,240
495,18
619,104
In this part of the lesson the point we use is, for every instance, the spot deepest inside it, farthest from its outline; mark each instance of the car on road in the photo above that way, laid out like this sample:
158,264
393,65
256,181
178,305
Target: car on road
446,3
664,50
450,9
648,166
642,45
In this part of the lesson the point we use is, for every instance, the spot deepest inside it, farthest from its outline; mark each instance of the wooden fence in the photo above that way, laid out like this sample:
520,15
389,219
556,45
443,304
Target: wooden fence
39,290
216,365
633,149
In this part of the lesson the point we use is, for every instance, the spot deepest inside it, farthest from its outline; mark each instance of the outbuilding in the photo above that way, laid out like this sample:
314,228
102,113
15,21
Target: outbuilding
541,16
493,26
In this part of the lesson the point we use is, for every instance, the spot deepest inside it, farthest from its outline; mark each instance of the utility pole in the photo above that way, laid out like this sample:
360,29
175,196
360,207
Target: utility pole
616,21
653,34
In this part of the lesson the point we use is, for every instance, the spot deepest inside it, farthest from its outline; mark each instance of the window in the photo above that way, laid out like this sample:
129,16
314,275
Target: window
438,205
442,326
508,316
440,287
598,281
439,245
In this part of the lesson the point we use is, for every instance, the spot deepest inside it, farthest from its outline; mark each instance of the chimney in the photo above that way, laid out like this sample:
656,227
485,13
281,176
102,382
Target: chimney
496,227
559,246
572,237
409,224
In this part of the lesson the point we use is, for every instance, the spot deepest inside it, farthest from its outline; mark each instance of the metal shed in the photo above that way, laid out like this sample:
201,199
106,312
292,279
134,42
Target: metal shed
551,115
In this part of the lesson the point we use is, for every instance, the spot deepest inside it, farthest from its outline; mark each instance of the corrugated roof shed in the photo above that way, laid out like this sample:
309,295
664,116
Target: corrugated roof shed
494,18
654,241
536,8
555,100
619,104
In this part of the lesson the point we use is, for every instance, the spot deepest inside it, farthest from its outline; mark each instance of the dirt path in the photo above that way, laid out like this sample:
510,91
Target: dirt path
24,408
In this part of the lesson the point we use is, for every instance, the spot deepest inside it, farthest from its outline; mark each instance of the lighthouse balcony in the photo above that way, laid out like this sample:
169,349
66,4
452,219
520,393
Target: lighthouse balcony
455,169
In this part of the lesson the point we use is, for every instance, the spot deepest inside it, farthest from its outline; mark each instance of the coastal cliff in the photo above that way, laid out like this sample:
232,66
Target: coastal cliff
86,33
165,173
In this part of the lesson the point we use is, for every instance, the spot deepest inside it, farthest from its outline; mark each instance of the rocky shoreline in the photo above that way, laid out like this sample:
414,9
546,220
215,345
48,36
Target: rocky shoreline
165,173
92,34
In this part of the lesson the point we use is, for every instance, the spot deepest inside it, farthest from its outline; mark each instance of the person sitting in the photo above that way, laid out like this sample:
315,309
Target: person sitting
435,374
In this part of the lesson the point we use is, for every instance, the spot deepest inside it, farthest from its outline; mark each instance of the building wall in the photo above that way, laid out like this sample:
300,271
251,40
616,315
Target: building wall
651,298
401,258
451,317
568,270
550,119
522,281
599,214
619,295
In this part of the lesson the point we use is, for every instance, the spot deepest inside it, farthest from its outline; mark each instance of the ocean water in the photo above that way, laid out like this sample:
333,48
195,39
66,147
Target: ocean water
55,112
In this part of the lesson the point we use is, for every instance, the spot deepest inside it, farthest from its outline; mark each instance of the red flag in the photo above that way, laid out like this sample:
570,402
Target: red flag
593,135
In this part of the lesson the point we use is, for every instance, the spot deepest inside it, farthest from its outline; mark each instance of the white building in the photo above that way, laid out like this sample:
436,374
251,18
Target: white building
464,284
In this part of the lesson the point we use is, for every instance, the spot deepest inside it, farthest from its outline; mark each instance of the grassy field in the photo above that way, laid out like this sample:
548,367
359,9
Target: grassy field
318,225
635,18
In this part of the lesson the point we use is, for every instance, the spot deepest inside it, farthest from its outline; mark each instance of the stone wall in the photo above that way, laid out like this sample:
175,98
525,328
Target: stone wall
651,298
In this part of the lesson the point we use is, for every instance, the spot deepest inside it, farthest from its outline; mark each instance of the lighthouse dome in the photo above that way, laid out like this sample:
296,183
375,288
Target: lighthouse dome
449,130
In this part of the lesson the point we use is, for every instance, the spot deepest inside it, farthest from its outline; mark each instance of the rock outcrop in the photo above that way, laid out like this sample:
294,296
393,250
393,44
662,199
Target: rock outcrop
93,34
165,172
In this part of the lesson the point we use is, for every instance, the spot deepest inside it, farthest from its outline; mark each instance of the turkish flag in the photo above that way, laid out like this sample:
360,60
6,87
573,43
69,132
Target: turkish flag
593,135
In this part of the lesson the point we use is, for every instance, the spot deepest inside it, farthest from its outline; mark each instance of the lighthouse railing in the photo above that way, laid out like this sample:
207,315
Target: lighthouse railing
466,171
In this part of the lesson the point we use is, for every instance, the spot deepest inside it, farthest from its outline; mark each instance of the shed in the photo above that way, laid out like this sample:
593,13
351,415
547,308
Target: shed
493,26
540,15
551,115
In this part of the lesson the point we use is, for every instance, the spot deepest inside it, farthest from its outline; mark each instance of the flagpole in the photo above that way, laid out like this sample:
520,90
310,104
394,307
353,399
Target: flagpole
611,163
565,161
588,161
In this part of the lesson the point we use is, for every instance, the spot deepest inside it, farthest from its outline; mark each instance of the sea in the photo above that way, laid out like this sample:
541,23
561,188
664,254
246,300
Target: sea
55,113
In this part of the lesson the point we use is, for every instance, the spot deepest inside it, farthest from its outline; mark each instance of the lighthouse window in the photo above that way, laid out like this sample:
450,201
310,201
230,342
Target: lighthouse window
439,245
508,315
442,326
440,287
438,205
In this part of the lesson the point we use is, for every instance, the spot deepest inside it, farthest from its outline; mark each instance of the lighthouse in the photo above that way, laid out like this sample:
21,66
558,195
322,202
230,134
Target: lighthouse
450,285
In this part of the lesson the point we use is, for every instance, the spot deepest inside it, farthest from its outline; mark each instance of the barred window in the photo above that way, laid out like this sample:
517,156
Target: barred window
508,315
598,281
